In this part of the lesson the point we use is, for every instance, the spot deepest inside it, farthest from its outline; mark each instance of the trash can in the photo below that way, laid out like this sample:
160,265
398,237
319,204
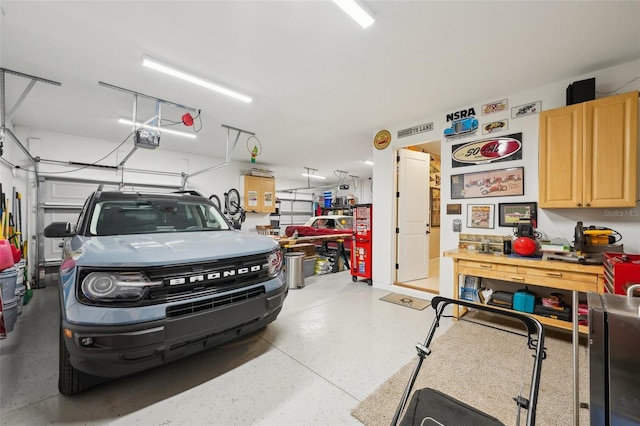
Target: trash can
294,263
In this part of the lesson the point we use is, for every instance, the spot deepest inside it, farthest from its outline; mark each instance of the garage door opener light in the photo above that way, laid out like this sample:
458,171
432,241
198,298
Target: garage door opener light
192,78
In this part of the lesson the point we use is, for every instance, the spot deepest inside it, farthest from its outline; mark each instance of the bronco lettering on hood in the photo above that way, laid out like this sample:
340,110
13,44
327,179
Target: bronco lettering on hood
212,276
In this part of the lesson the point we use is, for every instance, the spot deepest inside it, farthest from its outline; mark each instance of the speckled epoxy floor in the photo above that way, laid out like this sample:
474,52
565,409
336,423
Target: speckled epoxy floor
333,344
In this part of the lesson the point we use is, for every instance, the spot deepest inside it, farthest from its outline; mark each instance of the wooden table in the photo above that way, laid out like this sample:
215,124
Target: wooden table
289,243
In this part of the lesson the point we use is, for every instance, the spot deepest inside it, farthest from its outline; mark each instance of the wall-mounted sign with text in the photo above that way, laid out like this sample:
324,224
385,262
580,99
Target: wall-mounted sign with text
504,148
495,126
415,130
463,123
496,106
526,109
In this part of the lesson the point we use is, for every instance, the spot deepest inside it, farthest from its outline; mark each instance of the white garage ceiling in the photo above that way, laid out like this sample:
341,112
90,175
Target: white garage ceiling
322,86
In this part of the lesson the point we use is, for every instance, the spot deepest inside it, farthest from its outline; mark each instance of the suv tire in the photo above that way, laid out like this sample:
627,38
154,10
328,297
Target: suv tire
69,379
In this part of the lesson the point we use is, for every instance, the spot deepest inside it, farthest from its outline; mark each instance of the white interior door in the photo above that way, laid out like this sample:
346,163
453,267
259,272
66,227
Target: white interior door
413,216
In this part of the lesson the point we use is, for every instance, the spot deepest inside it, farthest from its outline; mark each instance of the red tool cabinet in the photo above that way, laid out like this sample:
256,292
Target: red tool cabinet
620,271
361,255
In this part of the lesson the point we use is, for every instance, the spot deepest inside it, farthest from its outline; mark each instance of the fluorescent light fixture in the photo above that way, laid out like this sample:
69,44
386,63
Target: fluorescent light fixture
191,78
357,12
369,162
162,129
309,175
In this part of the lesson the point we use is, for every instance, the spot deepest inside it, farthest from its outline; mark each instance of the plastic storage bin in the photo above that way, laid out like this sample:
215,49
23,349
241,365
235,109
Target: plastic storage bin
328,198
524,301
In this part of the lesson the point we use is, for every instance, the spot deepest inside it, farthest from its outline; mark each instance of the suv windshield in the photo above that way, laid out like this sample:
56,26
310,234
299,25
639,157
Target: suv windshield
148,215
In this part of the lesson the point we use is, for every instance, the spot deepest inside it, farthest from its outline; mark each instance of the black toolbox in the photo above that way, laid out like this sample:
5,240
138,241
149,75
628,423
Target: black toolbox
563,313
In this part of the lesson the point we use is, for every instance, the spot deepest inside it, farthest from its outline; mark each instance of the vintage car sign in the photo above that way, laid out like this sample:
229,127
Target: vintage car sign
488,151
496,106
526,109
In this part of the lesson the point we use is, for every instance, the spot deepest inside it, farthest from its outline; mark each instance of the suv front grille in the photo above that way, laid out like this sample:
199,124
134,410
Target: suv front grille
182,282
214,302
213,277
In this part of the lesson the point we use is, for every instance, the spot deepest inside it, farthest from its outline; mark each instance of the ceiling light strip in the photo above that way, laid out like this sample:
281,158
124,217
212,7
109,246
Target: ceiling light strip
162,129
309,175
192,78
356,11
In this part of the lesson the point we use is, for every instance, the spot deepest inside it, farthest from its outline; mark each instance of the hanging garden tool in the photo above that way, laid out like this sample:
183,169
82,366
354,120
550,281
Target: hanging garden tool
18,204
256,150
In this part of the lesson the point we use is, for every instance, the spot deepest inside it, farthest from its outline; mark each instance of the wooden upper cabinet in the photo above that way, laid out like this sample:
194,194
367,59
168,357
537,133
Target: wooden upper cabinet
588,154
560,157
259,194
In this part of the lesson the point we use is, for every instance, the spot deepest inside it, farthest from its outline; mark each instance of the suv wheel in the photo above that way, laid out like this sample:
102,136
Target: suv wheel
69,379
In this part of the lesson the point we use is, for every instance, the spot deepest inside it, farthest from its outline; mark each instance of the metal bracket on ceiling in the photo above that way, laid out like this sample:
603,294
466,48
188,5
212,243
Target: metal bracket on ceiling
341,174
355,183
154,121
4,130
227,156
4,116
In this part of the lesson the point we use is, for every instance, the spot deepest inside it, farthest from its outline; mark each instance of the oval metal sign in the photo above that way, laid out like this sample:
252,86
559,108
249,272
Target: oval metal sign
487,150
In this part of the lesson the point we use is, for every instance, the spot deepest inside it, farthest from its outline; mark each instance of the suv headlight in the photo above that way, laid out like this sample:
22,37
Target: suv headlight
275,262
99,286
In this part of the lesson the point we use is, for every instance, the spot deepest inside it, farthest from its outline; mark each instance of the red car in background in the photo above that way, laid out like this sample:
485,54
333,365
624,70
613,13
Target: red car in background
324,225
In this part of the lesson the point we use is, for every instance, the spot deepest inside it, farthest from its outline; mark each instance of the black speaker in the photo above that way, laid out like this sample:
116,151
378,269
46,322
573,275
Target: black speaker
581,91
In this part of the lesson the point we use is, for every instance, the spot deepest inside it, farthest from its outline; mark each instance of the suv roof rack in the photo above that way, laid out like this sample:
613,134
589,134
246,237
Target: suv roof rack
188,191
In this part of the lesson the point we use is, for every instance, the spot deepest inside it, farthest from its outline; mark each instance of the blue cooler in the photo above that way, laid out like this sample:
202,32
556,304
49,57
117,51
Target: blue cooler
524,301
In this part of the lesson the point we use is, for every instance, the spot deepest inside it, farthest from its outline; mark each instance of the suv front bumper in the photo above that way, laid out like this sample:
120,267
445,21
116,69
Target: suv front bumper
117,351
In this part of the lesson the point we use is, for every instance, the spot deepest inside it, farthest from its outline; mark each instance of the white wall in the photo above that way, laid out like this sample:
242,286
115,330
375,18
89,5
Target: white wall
552,223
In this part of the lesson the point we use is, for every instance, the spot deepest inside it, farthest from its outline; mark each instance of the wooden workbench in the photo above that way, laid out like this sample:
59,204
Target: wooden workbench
536,272
553,274
288,243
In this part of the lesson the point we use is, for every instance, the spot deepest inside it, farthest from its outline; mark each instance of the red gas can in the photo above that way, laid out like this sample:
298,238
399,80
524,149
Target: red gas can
6,255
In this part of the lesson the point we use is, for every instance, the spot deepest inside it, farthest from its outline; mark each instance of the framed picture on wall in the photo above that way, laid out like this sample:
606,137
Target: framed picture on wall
489,183
480,216
509,214
454,208
435,207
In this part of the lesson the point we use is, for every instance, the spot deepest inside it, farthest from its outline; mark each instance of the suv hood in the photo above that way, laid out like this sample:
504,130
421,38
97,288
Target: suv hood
167,248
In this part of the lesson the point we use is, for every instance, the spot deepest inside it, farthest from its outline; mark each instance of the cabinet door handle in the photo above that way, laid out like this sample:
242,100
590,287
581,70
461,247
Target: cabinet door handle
555,274
579,204
588,204
517,278
485,266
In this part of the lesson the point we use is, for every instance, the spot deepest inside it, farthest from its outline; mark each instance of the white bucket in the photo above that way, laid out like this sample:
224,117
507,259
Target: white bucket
8,282
9,313
20,271
20,290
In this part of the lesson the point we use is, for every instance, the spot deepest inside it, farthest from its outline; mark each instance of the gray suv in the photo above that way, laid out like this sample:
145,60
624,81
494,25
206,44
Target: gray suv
149,278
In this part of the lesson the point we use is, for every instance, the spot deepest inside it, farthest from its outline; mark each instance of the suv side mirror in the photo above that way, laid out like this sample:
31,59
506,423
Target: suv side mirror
58,230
